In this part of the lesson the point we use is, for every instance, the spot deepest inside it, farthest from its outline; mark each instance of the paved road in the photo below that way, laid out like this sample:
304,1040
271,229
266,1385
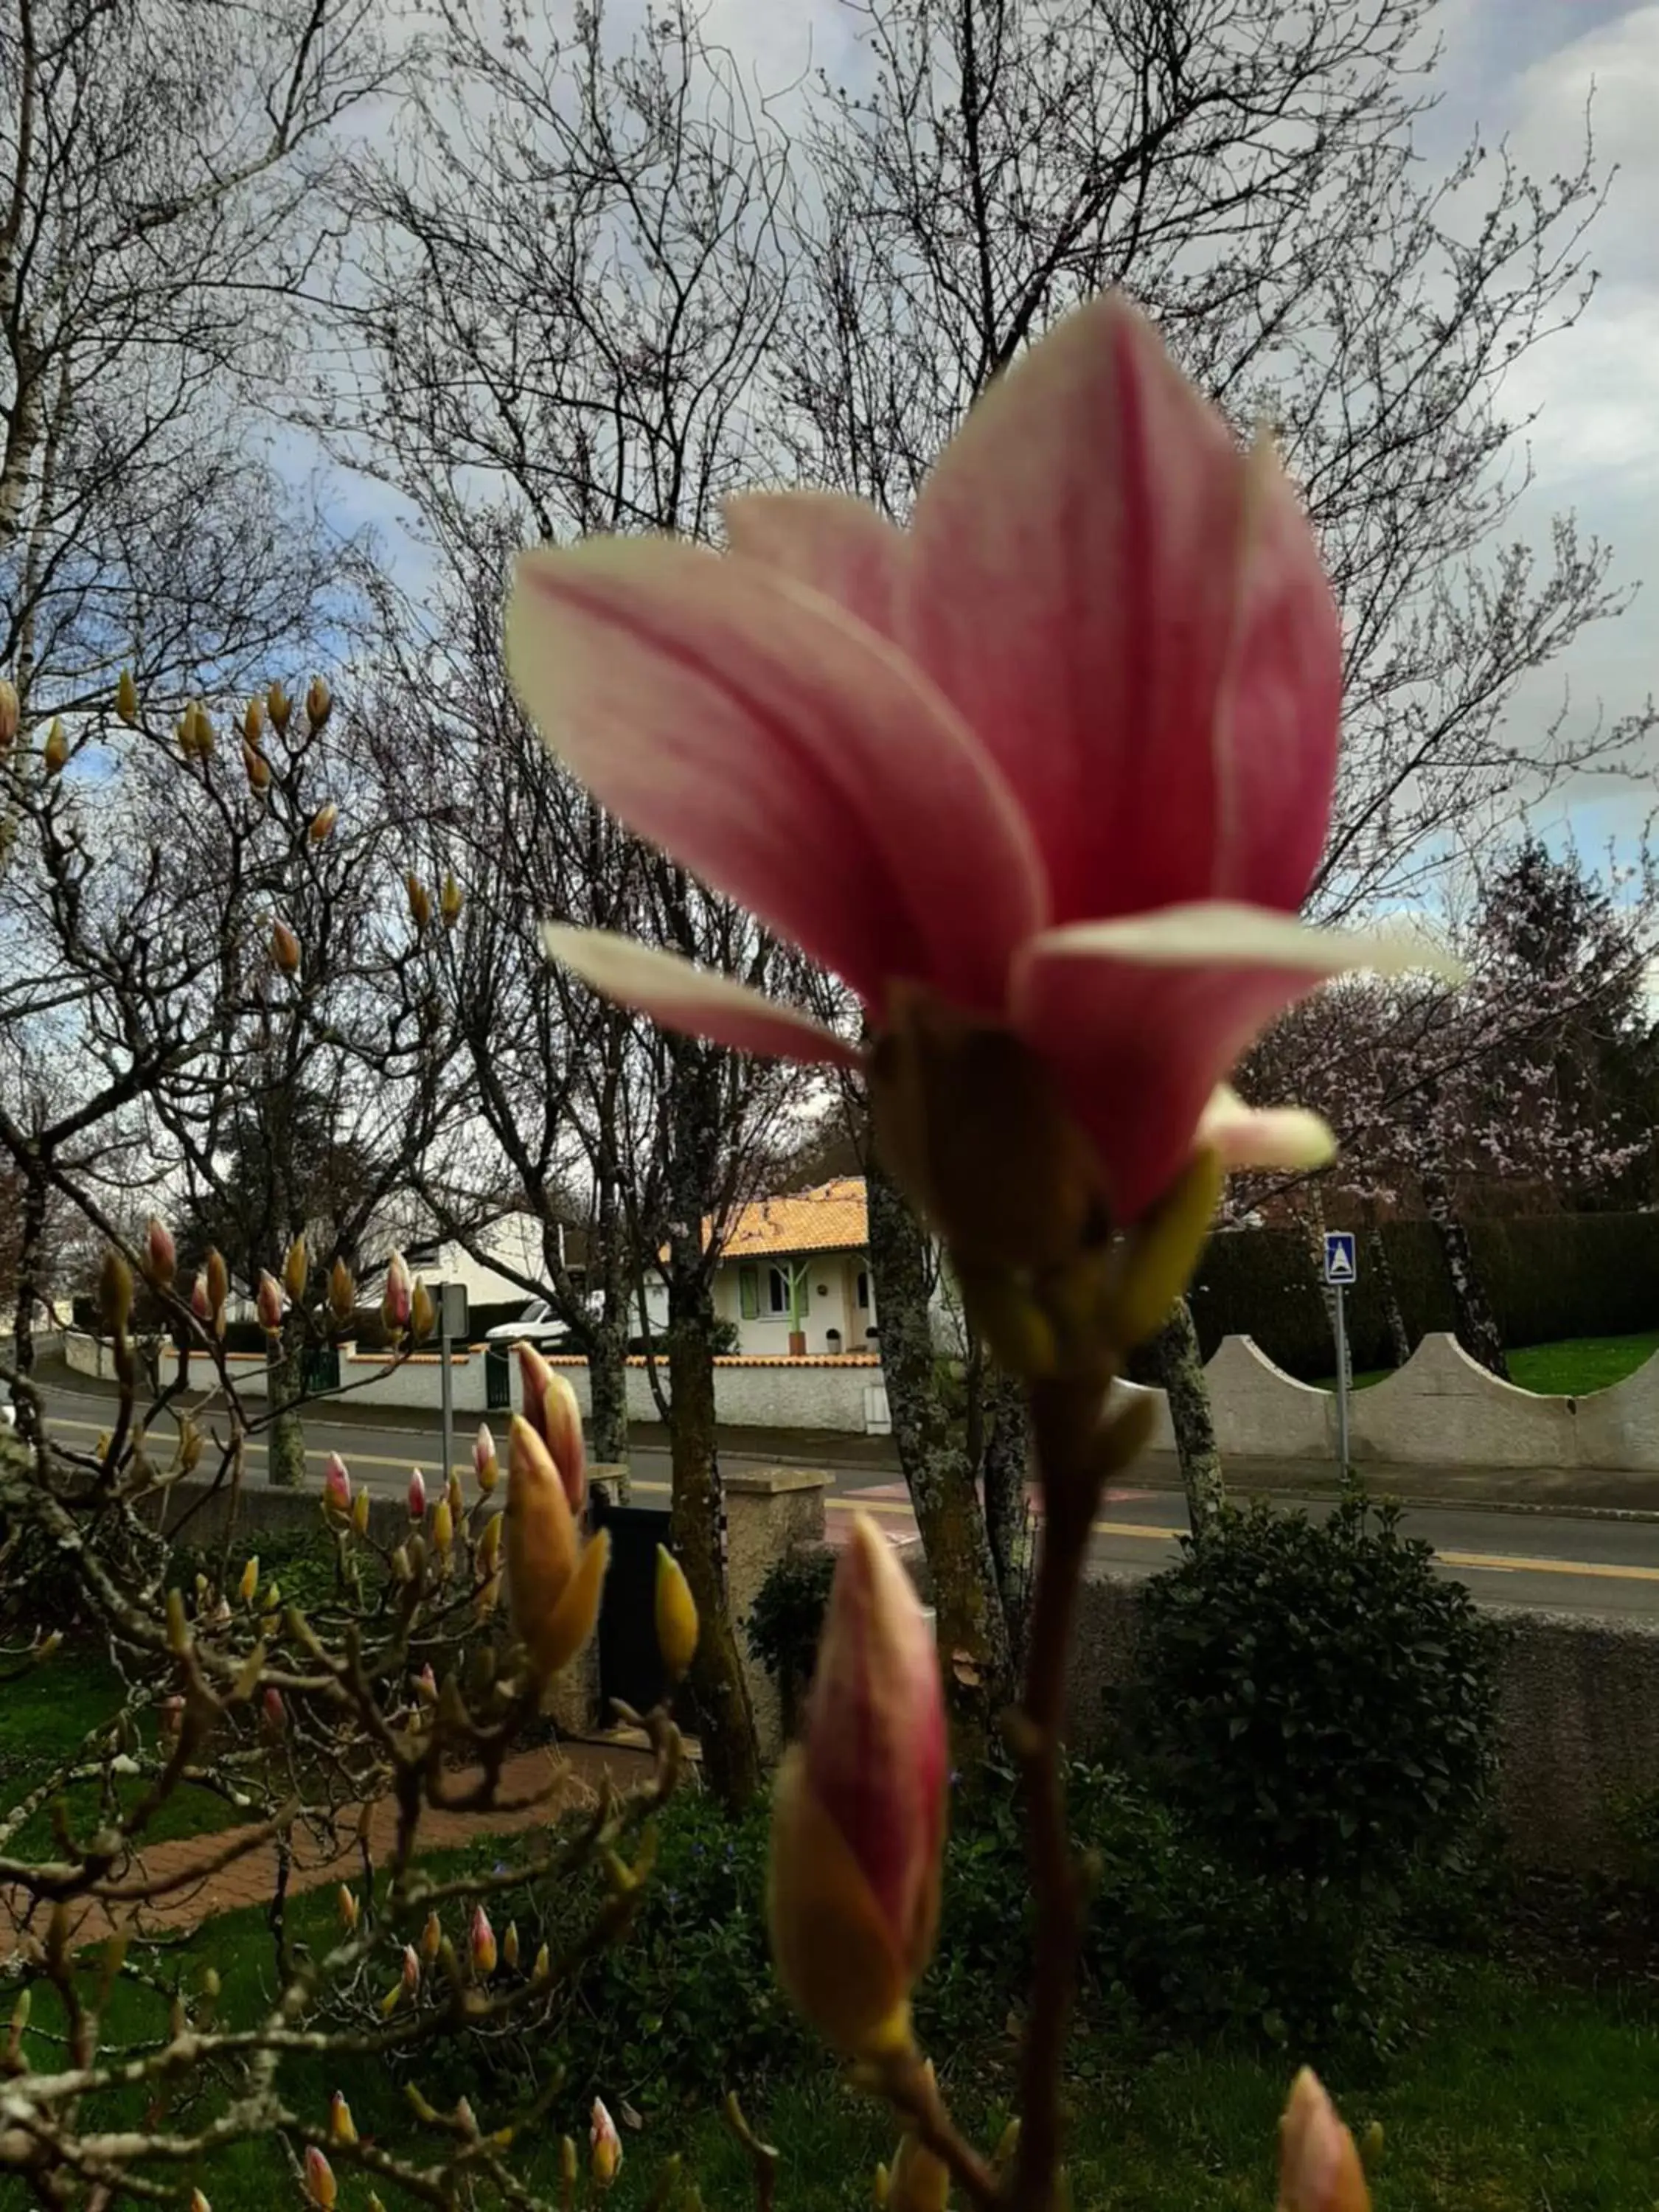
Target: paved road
1556,1561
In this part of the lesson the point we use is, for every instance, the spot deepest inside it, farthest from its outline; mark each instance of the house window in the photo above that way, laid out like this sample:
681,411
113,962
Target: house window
748,1293
864,1290
777,1290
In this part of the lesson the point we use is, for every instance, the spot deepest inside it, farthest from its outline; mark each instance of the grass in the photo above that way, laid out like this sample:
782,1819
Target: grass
1569,1369
1520,2096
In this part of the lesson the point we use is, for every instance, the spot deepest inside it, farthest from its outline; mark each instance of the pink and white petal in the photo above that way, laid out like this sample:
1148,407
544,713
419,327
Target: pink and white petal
1074,575
1288,1137
1142,1018
1280,706
841,547
785,753
680,996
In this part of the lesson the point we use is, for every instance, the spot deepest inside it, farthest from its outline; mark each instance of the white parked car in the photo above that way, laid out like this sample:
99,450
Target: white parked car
537,1324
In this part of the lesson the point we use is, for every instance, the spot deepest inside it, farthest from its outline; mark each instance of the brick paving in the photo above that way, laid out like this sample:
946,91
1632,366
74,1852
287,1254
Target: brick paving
197,1876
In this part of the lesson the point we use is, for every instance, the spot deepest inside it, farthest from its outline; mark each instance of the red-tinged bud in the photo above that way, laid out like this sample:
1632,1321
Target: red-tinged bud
485,1465
161,1254
274,1712
255,767
450,903
399,1294
279,706
467,2119
426,1685
551,1409
510,1948
605,2146
341,2127
553,1580
319,701
54,756
676,1616
285,949
320,2185
296,1270
417,1496
336,1486
347,1907
480,1943
322,822
420,901
342,1292
857,1824
126,699
412,1974
422,1312
268,1303
1319,2168
432,1935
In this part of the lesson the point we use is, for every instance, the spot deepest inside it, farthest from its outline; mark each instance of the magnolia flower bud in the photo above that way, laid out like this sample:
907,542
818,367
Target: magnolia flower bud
170,1716
398,1296
490,1544
320,2185
342,1292
417,1496
205,737
56,751
443,1529
412,1970
568,2163
676,1614
465,2118
322,822
126,698
348,1908
449,902
218,1287
268,1303
553,1578
341,2129
319,701
421,1314
274,1712
296,1269
161,1254
285,949
115,1293
432,1935
481,1943
551,1408
485,1465
336,1484
543,1966
199,1299
420,901
250,1580
605,2146
510,1948
1319,2168
253,721
199,2203
359,1506
426,1685
255,767
452,1496
857,1823
920,2181
279,706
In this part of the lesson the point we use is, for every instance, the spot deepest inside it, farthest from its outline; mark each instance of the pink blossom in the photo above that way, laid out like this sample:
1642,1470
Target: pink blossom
417,1495
268,1303
482,1942
336,1484
161,1252
604,2145
1059,756
399,1298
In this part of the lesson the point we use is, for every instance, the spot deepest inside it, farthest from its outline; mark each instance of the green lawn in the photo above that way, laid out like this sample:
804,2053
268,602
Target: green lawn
1571,1369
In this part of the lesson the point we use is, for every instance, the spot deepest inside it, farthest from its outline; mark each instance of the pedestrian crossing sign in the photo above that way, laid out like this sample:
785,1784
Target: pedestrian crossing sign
1340,1268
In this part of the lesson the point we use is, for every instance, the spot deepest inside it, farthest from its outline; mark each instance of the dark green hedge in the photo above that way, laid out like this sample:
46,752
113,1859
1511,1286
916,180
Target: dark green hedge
1548,1276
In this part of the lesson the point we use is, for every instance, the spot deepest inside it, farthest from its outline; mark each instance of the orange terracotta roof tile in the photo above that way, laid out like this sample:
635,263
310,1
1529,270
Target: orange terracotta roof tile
829,1219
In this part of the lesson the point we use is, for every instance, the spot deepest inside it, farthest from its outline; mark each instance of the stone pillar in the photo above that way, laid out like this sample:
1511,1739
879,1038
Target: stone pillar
769,1511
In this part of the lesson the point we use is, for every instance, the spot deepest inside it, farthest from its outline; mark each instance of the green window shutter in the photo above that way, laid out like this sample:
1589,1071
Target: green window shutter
748,1293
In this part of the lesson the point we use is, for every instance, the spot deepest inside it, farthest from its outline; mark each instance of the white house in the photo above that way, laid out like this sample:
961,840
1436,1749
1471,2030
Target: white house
795,1273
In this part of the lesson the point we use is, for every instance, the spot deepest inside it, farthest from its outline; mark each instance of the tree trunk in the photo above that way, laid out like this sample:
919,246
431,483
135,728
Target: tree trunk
285,1461
30,1250
972,1637
1477,1325
1170,1363
607,1379
731,1752
1382,1267
1005,1464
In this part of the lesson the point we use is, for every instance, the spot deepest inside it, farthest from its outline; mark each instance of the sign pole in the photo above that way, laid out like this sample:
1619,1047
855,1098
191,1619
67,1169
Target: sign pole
445,1387
1342,1380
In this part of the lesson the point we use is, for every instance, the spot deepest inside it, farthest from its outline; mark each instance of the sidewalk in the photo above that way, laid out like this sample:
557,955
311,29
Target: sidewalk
199,1876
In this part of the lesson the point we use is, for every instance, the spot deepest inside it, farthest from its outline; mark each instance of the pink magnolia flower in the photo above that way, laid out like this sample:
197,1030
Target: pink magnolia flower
399,1297
268,1303
320,2185
482,1942
858,1828
417,1495
1319,2168
336,1484
604,2145
161,1252
485,1465
1060,754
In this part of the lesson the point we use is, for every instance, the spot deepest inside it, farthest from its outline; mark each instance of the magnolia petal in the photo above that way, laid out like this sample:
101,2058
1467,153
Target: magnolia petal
785,753
681,997
1142,1018
1288,1137
841,547
1075,573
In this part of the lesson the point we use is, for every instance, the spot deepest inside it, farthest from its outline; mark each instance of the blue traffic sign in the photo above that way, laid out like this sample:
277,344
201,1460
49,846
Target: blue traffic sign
1340,1268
